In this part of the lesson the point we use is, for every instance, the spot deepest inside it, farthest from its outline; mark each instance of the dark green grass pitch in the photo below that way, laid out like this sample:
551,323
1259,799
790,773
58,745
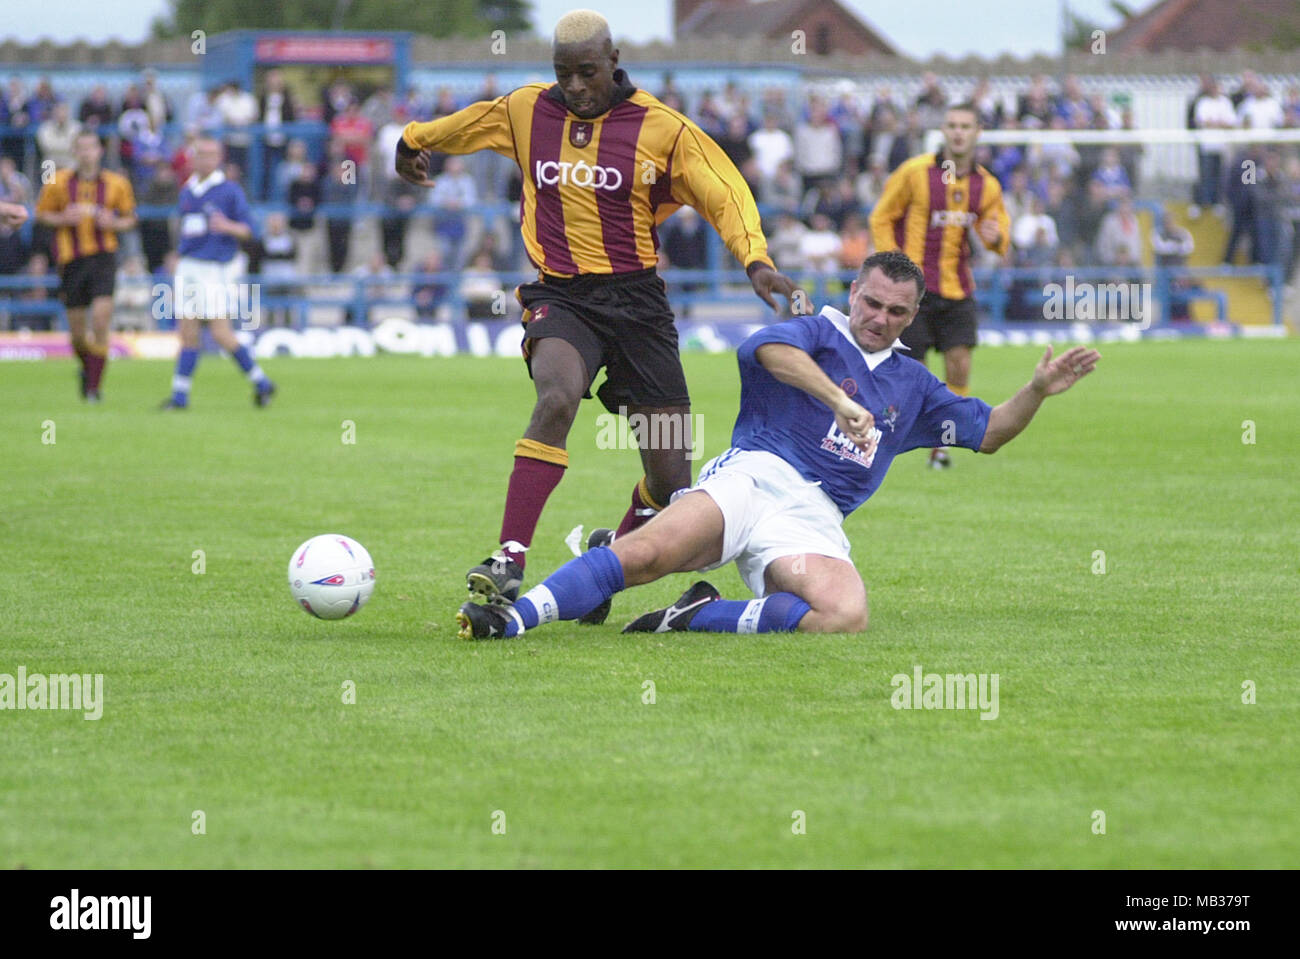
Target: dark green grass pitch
1119,692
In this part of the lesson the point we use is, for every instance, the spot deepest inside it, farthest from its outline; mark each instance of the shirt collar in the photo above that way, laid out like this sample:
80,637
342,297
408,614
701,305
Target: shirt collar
841,323
623,88
199,187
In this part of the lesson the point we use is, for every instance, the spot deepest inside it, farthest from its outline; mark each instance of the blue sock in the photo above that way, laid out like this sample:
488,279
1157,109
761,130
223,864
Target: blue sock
245,361
777,613
573,590
185,364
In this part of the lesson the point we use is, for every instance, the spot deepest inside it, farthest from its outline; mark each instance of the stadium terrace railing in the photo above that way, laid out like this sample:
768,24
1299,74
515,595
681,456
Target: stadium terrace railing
359,297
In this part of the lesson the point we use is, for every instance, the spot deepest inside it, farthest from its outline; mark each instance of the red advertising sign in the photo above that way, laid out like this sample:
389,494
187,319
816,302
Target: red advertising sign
307,49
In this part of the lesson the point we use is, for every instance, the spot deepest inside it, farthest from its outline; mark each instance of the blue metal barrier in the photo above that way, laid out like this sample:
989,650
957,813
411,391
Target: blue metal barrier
717,286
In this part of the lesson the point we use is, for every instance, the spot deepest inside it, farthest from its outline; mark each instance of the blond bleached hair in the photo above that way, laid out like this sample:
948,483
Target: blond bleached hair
581,26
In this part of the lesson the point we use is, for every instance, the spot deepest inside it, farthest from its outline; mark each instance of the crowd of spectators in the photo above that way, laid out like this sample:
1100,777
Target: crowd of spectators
816,164
1255,188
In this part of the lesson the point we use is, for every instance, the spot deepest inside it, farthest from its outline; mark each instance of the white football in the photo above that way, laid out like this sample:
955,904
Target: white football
331,576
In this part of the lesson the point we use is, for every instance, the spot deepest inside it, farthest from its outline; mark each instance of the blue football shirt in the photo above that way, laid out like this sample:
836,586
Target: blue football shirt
912,407
198,199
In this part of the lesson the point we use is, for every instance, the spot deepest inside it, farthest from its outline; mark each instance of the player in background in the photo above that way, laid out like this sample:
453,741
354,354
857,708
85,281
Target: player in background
826,403
214,219
88,206
603,164
925,210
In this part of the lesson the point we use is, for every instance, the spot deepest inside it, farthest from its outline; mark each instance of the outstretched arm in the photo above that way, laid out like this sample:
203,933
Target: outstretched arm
889,209
796,368
704,177
480,126
1050,377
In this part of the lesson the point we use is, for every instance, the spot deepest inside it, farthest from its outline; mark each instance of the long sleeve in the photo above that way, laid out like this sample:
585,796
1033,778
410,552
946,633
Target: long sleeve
890,208
480,126
124,201
704,177
993,208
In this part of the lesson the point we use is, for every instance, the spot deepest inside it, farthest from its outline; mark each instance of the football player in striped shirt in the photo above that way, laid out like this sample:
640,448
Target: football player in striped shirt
928,205
88,207
603,163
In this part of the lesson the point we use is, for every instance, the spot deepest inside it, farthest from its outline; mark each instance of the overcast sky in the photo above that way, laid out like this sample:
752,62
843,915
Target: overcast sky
918,28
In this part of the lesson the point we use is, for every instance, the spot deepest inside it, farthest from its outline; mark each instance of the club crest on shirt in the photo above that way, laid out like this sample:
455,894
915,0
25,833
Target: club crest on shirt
849,386
890,416
580,133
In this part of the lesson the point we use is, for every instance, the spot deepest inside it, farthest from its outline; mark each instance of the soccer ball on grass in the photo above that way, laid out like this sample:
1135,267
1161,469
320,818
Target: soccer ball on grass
331,576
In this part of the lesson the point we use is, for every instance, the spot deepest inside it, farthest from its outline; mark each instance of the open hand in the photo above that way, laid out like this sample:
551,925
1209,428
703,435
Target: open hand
767,281
1052,376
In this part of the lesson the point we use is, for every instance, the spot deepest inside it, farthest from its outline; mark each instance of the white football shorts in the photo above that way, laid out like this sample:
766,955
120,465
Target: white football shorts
208,289
769,511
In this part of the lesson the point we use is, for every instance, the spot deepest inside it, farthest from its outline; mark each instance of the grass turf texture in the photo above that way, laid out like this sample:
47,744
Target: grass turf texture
1119,692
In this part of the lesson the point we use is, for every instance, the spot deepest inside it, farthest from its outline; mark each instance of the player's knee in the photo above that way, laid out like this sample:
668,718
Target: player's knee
641,557
555,408
851,619
861,619
841,616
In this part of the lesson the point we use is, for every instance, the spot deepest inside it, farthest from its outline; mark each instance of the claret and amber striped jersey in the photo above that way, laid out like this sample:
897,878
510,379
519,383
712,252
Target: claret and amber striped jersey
927,215
109,190
595,189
